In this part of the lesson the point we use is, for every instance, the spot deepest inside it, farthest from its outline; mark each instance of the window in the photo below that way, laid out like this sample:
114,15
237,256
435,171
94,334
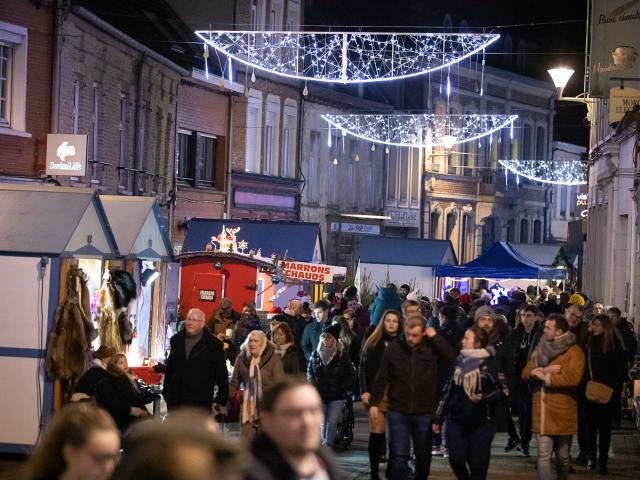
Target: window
186,156
392,175
76,105
371,191
467,158
572,201
254,130
527,144
334,163
351,174
563,201
451,223
197,158
508,51
124,171
271,132
524,231
541,143
464,231
511,231
416,174
537,231
434,219
94,133
289,139
312,179
13,76
254,15
403,158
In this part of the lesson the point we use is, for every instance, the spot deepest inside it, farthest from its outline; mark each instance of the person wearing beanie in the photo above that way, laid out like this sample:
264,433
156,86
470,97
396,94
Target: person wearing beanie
331,371
578,299
498,329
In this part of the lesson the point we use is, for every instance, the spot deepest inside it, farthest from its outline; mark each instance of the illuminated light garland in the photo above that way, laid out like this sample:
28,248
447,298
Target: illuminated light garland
558,172
347,57
419,130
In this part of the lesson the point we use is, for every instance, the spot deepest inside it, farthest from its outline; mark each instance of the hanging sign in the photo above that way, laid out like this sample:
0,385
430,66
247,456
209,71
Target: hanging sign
615,43
313,272
66,155
207,295
621,101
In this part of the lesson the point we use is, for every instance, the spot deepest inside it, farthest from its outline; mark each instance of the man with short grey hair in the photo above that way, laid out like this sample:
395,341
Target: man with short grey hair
196,366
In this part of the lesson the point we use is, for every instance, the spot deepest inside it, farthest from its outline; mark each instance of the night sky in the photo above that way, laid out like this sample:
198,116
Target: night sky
560,42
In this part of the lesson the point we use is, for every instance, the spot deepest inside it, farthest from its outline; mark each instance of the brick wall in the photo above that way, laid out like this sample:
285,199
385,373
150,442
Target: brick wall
192,203
202,109
454,188
26,156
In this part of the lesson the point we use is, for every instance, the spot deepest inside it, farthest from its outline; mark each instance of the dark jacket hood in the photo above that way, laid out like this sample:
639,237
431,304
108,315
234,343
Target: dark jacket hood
388,293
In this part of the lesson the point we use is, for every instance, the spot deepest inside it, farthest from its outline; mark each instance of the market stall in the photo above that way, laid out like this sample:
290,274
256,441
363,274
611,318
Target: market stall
399,260
47,234
501,266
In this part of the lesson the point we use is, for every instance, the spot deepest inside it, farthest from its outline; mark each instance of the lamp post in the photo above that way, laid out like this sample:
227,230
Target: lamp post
560,77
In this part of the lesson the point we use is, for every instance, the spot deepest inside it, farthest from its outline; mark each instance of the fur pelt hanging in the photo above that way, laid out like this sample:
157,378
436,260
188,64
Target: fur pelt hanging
107,319
71,335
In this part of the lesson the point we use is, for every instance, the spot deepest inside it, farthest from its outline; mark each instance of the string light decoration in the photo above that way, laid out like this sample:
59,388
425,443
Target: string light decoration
347,57
419,130
558,172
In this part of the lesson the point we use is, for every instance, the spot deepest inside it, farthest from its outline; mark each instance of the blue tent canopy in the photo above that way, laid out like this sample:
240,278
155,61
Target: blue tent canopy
500,261
301,241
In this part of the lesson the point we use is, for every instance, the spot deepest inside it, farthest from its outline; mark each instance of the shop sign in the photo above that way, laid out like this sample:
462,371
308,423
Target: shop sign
361,228
582,204
615,43
66,155
621,101
207,295
313,272
403,217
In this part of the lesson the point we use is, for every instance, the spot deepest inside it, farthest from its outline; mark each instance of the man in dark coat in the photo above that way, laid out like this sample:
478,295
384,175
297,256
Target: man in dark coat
195,367
313,330
289,446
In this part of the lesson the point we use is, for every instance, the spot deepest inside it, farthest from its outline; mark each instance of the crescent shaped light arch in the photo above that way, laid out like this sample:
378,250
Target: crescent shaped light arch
347,57
419,130
555,172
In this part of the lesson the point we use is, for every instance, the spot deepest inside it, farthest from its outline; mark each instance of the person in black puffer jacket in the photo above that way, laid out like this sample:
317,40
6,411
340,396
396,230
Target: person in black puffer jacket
468,402
331,371
127,389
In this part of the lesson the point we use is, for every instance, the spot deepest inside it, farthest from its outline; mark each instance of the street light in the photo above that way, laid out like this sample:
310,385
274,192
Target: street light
560,77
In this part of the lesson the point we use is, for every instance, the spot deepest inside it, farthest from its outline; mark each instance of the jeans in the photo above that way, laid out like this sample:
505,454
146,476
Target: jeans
332,412
402,430
522,398
472,447
547,444
599,418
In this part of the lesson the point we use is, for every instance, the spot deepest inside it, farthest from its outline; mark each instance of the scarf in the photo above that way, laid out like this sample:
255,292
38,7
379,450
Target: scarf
252,397
547,351
325,353
467,371
282,350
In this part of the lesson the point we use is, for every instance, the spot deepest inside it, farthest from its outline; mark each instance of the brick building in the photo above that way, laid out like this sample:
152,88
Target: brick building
26,57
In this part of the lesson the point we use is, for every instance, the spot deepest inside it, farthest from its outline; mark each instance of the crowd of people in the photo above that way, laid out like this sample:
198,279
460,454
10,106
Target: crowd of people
437,377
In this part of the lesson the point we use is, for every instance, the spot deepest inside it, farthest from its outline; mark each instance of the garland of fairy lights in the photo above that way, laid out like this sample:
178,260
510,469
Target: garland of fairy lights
347,57
558,172
419,130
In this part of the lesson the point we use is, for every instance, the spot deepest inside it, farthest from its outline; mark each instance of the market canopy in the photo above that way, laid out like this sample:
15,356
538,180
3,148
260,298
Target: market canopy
500,261
544,255
301,241
137,227
48,220
405,251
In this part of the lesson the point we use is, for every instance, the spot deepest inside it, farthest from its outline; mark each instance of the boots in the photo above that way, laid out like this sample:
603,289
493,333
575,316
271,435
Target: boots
376,448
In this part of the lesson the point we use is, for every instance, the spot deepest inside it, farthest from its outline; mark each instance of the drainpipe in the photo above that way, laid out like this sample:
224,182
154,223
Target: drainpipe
138,156
55,80
173,192
229,199
299,148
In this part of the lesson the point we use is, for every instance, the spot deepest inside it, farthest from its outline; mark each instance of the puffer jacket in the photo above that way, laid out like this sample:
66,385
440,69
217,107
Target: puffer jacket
554,402
333,381
387,299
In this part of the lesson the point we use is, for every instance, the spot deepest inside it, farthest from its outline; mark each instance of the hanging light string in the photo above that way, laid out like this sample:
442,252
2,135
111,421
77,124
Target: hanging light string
347,57
559,172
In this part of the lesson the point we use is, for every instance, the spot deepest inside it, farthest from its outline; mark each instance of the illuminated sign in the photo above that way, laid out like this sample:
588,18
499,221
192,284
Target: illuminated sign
66,155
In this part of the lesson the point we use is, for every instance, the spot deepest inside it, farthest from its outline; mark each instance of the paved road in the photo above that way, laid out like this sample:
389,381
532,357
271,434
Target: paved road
624,458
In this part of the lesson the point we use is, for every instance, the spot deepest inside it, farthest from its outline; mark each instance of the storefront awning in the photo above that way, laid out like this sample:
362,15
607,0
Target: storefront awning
301,241
137,227
48,220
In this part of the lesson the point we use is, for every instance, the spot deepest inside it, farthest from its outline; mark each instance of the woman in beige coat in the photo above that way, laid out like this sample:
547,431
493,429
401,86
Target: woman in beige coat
257,368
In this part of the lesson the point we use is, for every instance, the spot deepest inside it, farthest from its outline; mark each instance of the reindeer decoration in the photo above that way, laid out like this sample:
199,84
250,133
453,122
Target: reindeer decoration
226,240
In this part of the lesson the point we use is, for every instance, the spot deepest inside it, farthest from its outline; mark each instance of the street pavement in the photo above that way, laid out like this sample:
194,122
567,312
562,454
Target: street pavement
624,457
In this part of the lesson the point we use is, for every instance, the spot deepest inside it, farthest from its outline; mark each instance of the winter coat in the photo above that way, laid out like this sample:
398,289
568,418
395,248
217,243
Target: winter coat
126,389
453,334
609,368
269,464
504,362
311,337
361,322
582,335
521,342
333,381
456,405
554,402
270,369
191,381
291,360
387,299
219,325
243,327
370,361
411,375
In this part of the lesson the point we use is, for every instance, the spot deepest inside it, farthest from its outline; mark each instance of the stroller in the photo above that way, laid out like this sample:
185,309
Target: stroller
344,433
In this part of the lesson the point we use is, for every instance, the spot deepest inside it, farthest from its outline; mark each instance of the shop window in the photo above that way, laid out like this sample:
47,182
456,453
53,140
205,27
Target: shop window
524,231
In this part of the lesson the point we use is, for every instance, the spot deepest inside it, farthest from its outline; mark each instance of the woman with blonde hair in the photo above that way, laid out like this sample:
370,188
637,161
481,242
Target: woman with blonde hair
257,367
386,331
81,443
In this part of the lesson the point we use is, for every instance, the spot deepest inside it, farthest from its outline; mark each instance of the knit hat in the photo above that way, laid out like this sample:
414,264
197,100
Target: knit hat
484,311
334,330
273,312
577,298
104,352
